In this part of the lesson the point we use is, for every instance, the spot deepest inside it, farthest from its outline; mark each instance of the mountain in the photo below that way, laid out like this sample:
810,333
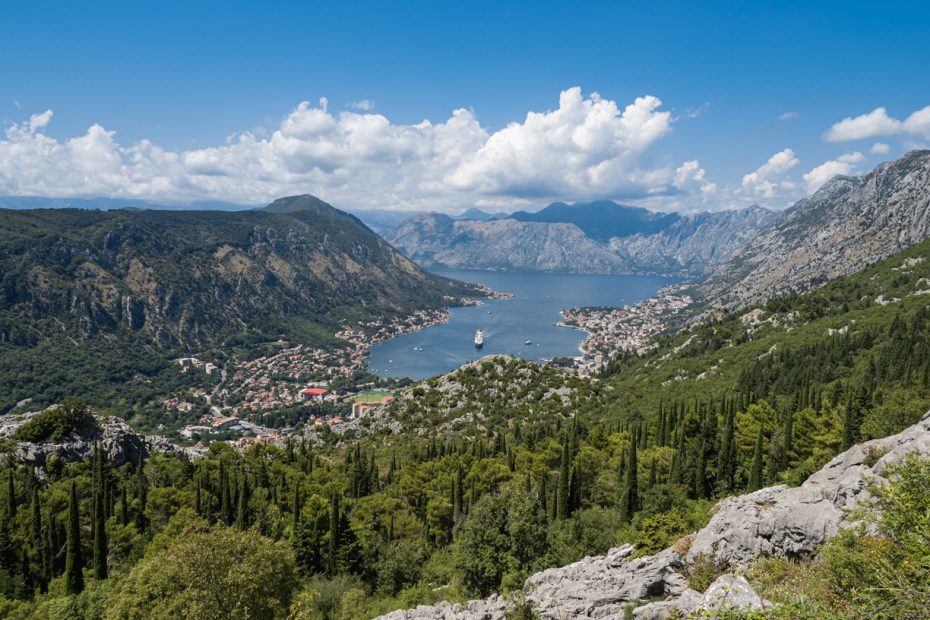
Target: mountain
848,223
130,283
381,220
687,245
435,240
602,220
475,213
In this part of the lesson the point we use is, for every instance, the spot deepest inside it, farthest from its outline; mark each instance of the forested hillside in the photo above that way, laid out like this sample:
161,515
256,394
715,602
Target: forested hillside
93,303
502,468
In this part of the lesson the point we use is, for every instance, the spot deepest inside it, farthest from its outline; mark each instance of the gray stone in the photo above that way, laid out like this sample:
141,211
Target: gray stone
788,522
731,592
793,522
116,439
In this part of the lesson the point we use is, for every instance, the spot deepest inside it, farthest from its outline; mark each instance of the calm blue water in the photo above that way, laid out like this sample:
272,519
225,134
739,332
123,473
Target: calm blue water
508,323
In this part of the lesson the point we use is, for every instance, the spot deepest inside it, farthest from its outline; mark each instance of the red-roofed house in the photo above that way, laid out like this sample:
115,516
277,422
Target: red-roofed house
314,393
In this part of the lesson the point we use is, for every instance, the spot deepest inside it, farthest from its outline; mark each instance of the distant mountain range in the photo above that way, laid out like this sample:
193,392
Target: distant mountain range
847,224
595,237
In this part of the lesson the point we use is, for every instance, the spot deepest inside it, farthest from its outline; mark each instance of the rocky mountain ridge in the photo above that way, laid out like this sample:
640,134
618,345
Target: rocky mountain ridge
847,224
780,521
664,245
189,279
116,439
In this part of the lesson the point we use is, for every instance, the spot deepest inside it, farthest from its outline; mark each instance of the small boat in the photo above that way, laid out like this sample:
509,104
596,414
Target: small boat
479,338
528,342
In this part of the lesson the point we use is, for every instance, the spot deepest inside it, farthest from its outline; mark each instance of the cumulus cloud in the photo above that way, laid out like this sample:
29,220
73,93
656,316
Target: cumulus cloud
587,147
691,174
366,105
765,180
878,123
843,165
880,148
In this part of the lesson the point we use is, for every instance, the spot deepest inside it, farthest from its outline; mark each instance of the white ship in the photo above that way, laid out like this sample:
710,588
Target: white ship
479,338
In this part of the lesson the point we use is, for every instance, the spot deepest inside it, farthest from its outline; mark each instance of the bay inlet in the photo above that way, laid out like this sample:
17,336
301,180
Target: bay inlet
522,326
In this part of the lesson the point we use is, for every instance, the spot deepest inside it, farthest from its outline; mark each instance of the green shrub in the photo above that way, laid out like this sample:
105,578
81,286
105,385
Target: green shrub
54,424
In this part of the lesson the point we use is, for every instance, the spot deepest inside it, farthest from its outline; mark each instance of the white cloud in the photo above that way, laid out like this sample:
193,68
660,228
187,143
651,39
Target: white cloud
787,116
690,174
877,123
38,121
844,164
769,177
588,147
366,105
880,148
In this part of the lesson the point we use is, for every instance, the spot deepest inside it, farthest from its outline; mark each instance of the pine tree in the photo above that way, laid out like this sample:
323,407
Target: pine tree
74,561
755,474
629,494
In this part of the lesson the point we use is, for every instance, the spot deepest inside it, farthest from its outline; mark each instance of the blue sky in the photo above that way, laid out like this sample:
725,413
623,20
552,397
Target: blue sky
172,85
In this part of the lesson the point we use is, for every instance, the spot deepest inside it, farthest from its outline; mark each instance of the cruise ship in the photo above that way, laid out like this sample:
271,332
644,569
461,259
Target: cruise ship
479,338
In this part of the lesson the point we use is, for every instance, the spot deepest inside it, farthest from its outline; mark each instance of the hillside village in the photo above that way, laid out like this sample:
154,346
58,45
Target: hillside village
612,331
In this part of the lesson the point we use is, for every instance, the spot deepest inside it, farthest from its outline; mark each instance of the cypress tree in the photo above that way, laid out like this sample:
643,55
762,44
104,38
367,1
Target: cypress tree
242,517
563,500
726,465
123,506
11,496
142,491
333,536
755,474
787,434
74,562
295,513
457,495
225,500
7,550
629,495
543,493
36,517
198,508
100,539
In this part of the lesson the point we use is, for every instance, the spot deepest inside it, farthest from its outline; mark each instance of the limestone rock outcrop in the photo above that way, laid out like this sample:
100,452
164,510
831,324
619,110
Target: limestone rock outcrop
781,521
115,437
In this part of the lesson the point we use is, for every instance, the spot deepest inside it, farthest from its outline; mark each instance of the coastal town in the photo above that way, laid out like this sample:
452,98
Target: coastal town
611,331
266,398
315,386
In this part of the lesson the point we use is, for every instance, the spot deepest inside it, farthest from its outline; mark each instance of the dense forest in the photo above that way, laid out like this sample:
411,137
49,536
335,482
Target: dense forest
503,468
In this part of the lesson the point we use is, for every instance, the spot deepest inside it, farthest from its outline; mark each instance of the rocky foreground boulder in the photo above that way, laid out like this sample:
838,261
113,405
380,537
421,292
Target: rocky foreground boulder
115,437
779,521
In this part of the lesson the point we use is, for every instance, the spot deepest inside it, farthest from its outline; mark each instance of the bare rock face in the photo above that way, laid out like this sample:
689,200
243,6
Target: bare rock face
793,522
116,439
781,521
847,224
727,592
